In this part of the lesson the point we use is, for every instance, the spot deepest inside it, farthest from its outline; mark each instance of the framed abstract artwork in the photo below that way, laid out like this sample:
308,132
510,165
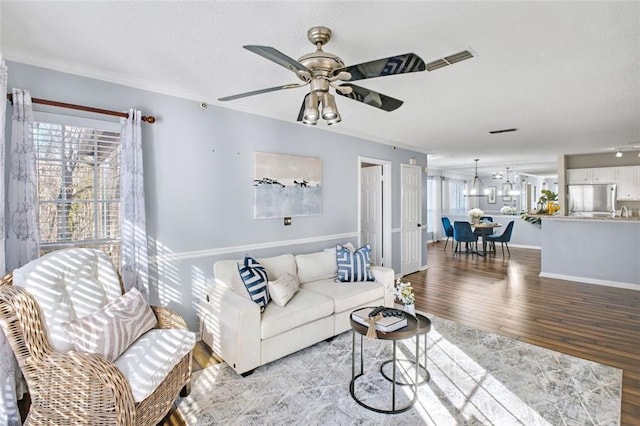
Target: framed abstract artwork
286,186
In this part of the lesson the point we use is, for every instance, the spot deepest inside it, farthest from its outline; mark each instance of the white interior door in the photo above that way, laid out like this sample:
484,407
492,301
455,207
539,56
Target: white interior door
411,225
371,179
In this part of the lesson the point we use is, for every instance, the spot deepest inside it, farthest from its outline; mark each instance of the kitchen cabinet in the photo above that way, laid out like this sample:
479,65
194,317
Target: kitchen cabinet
629,183
604,175
594,175
578,176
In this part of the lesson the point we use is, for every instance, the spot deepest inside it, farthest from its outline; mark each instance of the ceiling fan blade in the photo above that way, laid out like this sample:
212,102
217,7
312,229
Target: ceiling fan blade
301,113
278,57
400,64
370,97
258,92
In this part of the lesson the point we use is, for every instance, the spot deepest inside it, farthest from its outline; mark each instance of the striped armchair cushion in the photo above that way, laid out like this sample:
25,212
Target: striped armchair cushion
111,330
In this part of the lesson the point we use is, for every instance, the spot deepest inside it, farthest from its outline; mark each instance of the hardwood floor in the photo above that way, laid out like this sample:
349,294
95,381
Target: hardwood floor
507,297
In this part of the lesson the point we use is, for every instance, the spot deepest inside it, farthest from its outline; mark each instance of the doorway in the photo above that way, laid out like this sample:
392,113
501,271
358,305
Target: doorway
411,214
374,208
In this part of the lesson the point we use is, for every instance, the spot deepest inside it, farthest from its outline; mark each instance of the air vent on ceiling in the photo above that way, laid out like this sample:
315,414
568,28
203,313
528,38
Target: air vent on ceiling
494,132
446,61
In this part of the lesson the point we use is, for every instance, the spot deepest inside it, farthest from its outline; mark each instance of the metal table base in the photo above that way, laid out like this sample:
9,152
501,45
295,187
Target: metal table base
423,367
393,380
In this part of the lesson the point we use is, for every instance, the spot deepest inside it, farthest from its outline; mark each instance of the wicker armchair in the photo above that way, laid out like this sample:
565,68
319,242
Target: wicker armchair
77,387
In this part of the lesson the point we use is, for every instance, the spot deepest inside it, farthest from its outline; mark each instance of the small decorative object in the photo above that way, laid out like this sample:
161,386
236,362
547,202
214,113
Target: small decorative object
475,215
404,293
509,210
411,309
535,220
491,196
548,202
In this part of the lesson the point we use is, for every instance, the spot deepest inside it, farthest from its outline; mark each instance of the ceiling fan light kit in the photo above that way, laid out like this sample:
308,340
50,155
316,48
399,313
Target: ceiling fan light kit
323,71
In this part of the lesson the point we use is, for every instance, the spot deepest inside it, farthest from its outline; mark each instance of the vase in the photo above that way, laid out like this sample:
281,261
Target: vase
411,309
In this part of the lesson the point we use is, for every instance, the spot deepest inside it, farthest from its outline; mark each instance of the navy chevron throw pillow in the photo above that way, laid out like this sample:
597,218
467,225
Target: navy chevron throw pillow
354,266
255,280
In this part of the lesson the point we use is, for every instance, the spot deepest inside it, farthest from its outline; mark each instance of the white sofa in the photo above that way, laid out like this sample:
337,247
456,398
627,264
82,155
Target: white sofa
234,328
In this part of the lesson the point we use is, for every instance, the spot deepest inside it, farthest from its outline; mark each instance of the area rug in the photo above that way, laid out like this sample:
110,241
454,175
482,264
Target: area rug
477,378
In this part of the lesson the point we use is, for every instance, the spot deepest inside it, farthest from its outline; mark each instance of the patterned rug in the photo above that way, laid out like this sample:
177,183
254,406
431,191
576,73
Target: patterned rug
477,378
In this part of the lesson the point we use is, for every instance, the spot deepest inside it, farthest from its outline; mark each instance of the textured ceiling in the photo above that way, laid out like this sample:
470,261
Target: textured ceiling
565,74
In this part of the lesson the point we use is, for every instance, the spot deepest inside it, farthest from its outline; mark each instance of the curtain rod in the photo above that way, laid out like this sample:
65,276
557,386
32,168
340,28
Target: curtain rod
149,119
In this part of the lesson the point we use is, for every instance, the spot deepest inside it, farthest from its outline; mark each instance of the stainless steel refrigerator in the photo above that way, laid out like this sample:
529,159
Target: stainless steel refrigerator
585,200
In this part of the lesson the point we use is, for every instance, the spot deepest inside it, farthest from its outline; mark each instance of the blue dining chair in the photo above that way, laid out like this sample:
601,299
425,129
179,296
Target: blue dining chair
462,233
448,230
503,239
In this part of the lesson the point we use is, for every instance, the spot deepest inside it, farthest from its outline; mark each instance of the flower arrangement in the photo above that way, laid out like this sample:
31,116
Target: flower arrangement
475,213
404,292
508,210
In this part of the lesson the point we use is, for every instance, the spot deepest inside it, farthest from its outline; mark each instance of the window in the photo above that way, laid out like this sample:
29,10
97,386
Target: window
454,190
78,185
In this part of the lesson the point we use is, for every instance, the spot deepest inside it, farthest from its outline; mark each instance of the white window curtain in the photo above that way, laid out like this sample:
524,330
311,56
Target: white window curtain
11,383
23,242
3,109
134,257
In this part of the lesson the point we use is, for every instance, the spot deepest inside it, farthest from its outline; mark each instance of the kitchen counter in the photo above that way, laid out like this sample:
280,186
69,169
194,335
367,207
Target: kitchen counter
589,219
591,250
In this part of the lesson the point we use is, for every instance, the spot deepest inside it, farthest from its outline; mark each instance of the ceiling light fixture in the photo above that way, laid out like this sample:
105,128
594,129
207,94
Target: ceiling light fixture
495,132
476,185
323,101
508,189
619,153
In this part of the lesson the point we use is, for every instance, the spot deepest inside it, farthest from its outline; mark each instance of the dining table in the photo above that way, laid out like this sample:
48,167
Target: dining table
486,229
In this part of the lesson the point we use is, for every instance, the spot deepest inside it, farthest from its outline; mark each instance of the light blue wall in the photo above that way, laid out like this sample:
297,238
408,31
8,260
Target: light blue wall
591,251
198,180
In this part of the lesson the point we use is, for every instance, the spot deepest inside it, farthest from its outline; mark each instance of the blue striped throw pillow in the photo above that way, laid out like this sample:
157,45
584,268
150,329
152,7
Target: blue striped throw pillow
354,266
254,277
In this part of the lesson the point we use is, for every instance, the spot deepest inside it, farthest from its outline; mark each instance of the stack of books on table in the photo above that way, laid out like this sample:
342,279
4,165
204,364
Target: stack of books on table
384,324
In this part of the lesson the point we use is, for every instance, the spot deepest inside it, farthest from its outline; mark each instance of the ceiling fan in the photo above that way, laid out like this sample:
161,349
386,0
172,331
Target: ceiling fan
323,70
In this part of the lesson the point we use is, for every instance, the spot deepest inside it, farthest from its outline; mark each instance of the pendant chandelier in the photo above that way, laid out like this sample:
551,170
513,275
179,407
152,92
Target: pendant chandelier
508,190
476,185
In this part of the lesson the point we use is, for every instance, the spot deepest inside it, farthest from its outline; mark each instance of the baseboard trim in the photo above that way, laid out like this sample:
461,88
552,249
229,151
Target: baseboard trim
524,246
617,284
253,247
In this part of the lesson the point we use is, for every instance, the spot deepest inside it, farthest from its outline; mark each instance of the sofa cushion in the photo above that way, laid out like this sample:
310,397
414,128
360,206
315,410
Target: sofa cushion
306,307
347,245
254,277
68,284
283,289
149,359
110,331
347,295
354,266
277,266
316,266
